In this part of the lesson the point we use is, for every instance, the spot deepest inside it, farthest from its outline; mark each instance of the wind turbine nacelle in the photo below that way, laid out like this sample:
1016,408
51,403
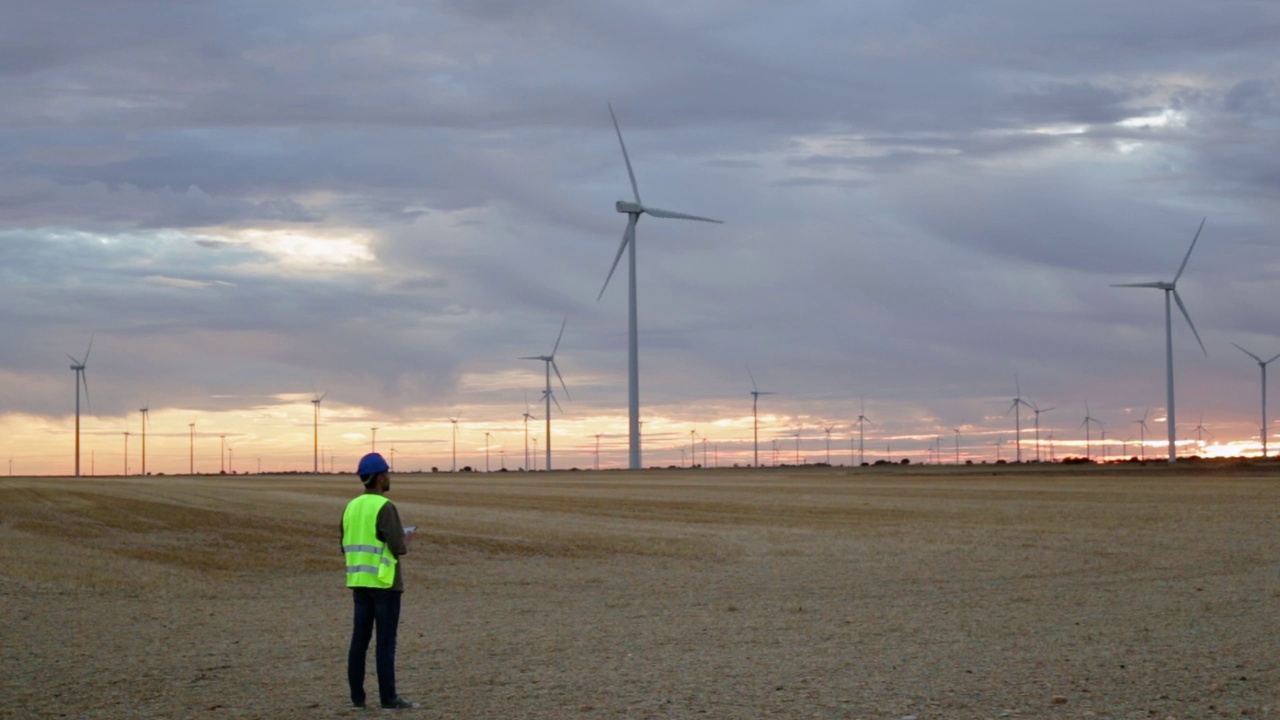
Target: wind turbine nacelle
629,208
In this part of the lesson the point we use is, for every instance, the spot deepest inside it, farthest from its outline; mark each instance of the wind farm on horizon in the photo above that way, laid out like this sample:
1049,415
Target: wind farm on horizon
733,438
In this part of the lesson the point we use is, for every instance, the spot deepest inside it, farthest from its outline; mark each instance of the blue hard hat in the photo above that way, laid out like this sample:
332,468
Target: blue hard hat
372,464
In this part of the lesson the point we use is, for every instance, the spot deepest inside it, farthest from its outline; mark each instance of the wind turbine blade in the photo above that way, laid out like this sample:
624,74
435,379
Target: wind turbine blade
1156,285
557,402
628,235
324,395
1272,359
562,385
557,345
88,405
529,357
630,173
753,378
73,359
1255,357
1183,308
679,216
1188,256
86,352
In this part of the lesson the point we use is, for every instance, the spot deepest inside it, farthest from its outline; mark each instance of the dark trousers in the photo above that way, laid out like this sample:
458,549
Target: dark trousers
380,608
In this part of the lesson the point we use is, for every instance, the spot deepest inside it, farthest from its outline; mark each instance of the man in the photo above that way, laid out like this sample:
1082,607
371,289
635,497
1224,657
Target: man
373,541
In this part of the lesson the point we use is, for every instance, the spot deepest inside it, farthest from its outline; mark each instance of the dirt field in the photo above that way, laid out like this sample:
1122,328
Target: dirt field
809,593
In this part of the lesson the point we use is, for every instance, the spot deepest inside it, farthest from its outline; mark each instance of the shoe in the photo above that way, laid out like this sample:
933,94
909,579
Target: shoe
358,705
399,703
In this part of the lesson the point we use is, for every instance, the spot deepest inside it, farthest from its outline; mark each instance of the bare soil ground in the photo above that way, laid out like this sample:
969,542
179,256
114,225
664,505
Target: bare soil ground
985,592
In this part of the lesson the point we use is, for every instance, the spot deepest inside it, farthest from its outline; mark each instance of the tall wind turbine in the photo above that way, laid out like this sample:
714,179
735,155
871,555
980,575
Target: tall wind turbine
78,366
146,420
1016,408
1262,364
549,362
756,392
315,431
1171,290
633,211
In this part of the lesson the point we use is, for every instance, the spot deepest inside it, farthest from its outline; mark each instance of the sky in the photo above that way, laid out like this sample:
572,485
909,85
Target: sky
246,205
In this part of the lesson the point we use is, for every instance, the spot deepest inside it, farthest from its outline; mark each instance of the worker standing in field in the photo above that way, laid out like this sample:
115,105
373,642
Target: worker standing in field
373,541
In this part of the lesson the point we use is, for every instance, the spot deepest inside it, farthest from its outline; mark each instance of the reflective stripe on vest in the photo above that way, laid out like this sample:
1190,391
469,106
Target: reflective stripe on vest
369,564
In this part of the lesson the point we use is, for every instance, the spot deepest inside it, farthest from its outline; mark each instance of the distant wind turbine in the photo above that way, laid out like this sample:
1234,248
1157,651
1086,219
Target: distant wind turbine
1142,432
633,211
862,418
315,431
1263,365
756,392
1015,408
78,367
549,362
1171,290
1086,424
1037,410
146,420
527,417
455,420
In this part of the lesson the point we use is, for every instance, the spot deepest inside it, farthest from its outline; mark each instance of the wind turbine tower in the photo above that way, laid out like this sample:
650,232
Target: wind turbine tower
455,420
315,432
633,211
1016,408
527,417
862,418
1171,291
1263,365
146,420
1037,410
1088,419
78,366
549,362
1142,432
756,392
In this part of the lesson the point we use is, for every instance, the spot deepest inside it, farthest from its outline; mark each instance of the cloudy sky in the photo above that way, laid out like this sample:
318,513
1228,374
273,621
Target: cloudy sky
246,203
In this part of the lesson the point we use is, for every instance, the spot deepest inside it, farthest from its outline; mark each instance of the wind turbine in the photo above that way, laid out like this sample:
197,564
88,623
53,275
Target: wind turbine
828,430
756,392
1262,364
1088,419
550,364
862,418
1200,430
1142,432
1171,290
1037,410
78,367
527,417
1015,408
146,420
315,431
633,211
191,447
455,420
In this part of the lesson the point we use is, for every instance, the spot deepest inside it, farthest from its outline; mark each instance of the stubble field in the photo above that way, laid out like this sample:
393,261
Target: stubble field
984,592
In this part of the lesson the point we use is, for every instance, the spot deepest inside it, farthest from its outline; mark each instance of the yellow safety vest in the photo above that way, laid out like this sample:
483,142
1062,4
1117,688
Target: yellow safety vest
369,562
